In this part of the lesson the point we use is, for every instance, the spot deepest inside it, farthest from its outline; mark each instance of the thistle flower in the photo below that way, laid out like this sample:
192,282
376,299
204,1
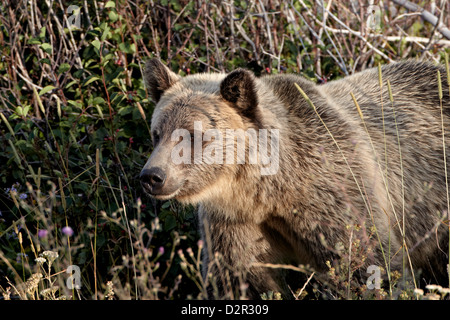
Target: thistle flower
68,231
42,233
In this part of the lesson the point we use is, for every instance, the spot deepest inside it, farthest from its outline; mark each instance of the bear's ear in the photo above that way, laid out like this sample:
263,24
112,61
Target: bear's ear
239,89
158,78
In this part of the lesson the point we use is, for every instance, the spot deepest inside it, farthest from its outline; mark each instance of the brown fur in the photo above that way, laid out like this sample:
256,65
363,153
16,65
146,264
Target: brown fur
302,213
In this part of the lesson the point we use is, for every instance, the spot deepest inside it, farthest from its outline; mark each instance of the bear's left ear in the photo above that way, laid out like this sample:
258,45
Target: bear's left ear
239,89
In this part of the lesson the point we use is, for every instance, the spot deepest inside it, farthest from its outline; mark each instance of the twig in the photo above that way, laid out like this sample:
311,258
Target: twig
391,38
241,29
324,25
314,33
296,296
358,34
244,35
266,20
27,80
426,15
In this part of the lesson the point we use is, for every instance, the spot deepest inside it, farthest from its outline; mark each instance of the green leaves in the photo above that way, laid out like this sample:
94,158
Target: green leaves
106,32
96,43
126,47
47,48
46,89
90,79
110,4
113,16
22,111
8,125
63,67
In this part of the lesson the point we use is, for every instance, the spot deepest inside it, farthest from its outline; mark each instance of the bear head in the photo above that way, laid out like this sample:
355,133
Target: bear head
196,120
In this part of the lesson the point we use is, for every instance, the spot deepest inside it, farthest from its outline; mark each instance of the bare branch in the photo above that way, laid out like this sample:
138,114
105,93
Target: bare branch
426,15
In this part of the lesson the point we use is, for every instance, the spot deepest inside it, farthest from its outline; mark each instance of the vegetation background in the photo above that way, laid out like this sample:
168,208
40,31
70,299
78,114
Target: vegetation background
74,123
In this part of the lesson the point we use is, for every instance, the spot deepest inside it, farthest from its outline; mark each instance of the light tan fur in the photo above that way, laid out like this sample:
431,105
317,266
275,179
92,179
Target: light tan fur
313,204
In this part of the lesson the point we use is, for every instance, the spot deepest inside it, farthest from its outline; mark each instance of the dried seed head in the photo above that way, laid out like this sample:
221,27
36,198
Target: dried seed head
357,105
391,97
50,255
40,260
33,282
380,77
7,294
439,85
109,290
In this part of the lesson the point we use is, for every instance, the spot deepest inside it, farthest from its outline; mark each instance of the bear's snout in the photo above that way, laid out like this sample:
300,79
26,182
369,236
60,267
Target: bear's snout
153,179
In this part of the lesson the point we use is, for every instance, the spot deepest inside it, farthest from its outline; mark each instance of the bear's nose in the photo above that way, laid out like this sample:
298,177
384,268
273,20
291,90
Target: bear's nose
153,179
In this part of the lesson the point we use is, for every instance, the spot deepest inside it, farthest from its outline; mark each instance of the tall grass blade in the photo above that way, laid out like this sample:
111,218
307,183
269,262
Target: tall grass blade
39,101
441,95
7,124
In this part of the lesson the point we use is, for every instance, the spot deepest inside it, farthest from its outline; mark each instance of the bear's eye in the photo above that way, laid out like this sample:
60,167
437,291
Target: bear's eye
155,137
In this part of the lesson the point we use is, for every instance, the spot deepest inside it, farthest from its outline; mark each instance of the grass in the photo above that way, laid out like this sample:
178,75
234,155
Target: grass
74,130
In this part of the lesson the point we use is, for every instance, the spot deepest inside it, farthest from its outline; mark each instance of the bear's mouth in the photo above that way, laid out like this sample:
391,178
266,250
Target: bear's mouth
164,196
161,194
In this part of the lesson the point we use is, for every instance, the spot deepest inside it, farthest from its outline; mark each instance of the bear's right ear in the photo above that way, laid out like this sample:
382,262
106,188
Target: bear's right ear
158,78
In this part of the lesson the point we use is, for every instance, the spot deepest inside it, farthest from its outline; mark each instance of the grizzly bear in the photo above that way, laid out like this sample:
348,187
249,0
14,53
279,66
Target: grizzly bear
285,172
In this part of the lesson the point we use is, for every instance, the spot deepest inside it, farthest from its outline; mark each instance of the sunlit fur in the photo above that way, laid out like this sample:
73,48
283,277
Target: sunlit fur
308,211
